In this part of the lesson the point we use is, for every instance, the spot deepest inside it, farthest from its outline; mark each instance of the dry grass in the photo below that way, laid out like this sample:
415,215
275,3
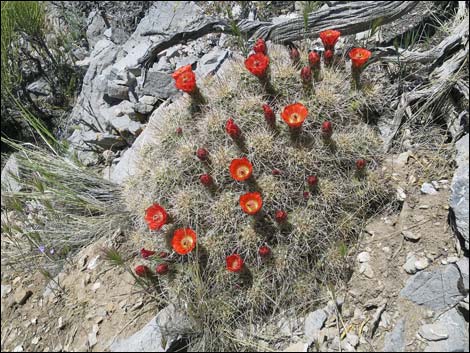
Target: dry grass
237,312
62,206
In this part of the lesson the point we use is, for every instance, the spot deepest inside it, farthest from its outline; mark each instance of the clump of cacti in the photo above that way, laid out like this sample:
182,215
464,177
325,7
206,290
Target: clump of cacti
260,198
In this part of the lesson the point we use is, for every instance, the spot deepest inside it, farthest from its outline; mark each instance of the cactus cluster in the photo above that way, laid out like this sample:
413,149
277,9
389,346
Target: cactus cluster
314,186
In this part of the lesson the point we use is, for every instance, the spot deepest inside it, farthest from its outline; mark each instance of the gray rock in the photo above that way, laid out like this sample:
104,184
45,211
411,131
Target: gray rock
459,199
421,263
128,162
366,269
409,265
211,61
434,332
409,235
124,124
143,108
123,108
116,35
104,140
96,28
162,65
149,100
10,174
457,330
428,189
363,257
463,266
395,341
6,289
117,91
187,60
314,323
158,84
39,87
436,289
164,327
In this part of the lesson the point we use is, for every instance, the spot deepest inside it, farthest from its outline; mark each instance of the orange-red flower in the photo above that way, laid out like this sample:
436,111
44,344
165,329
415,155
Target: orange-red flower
184,240
257,64
359,56
269,114
185,79
181,70
142,271
241,169
294,114
234,263
251,202
232,129
155,216
260,46
329,38
314,58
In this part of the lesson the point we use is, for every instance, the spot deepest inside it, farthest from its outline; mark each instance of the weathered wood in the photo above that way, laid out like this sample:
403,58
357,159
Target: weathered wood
347,17
442,80
457,39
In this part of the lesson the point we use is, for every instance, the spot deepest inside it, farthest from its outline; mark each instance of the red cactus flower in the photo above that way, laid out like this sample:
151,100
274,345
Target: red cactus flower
269,114
280,216
184,240
162,269
142,271
181,70
257,64
359,56
179,131
329,38
241,169
162,254
155,216
328,55
185,79
306,195
312,180
251,202
264,251
306,74
294,115
260,46
327,129
202,154
234,263
361,164
232,129
314,58
294,54
206,180
146,253
276,172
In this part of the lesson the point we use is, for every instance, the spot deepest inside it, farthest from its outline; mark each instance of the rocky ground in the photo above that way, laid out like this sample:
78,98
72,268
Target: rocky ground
409,290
